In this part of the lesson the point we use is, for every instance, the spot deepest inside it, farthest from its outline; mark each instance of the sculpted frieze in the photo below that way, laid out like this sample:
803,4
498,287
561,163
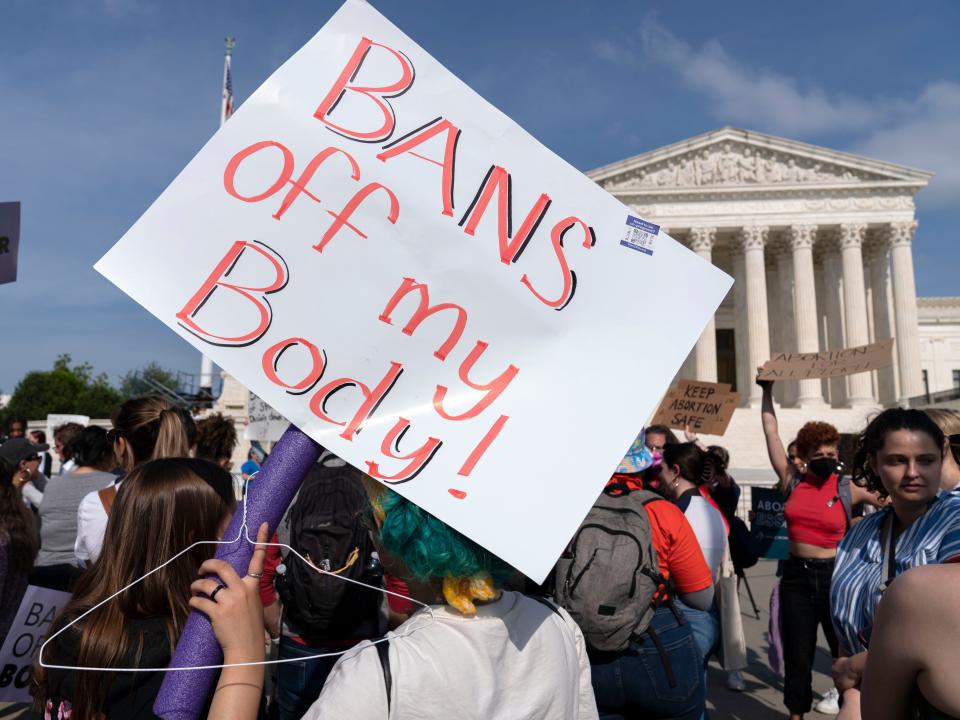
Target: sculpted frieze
735,164
709,207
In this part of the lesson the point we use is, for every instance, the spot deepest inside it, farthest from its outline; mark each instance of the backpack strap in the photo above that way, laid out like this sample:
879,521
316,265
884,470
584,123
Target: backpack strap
383,652
544,601
107,496
845,493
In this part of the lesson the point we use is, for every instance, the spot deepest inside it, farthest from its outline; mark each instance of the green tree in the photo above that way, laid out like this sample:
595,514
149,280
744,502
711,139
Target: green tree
67,388
145,380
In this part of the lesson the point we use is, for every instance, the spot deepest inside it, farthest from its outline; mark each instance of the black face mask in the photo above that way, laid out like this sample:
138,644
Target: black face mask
823,467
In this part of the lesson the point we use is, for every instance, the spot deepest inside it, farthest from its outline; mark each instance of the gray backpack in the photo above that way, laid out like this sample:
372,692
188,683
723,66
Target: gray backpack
609,576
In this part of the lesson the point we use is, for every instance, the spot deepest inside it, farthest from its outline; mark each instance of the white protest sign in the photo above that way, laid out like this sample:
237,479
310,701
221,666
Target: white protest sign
413,280
37,610
264,423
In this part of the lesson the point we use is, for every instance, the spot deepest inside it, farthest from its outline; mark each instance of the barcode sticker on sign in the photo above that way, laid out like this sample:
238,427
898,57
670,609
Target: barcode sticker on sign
639,235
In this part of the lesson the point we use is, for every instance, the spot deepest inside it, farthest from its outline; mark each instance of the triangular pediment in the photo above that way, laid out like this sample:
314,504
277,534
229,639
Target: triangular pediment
732,158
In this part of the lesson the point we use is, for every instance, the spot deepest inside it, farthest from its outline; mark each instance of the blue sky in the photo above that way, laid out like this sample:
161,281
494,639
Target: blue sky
104,101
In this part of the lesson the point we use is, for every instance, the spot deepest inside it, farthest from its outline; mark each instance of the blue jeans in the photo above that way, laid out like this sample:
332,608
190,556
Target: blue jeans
706,631
299,683
640,684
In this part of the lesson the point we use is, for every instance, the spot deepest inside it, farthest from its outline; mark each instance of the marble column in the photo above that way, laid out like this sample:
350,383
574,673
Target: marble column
752,240
860,386
818,278
785,319
805,315
833,308
774,312
878,260
905,309
702,240
741,330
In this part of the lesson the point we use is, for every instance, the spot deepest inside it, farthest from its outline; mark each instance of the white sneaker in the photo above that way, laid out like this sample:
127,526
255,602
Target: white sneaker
829,704
735,682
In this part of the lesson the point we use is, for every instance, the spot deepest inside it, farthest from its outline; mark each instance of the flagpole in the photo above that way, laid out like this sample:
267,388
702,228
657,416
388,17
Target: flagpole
226,110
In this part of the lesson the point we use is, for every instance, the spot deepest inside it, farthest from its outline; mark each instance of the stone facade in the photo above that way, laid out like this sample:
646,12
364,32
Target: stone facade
940,343
818,243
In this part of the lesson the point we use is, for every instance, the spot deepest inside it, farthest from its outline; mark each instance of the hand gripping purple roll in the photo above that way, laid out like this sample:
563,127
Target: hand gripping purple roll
184,694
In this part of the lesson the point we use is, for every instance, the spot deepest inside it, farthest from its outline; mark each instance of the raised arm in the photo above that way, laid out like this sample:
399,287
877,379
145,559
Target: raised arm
771,432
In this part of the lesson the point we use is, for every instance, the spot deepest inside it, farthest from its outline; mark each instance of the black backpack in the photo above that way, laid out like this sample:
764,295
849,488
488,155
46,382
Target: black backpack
330,525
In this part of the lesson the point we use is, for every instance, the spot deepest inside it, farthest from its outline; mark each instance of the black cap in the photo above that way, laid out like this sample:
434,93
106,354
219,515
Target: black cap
16,449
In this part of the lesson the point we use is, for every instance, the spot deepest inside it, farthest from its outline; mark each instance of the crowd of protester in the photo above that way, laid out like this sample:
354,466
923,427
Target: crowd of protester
624,628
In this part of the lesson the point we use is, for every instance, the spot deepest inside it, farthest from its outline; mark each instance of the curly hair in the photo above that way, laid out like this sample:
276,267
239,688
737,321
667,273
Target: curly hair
814,435
871,442
216,437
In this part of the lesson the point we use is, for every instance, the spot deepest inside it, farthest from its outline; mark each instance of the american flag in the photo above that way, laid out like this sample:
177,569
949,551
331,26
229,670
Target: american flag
226,105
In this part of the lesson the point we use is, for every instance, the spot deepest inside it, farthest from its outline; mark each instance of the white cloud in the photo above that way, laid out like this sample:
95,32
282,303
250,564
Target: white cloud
748,96
929,138
922,132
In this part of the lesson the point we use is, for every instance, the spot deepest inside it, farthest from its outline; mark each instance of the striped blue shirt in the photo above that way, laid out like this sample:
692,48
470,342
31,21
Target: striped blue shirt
855,593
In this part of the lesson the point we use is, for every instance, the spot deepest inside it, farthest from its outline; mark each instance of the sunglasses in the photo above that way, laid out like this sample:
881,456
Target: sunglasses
32,458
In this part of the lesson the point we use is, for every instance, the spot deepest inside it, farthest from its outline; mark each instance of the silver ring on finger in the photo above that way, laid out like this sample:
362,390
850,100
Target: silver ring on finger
218,588
255,575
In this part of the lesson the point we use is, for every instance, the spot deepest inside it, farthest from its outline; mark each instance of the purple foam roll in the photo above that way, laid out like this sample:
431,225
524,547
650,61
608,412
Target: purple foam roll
183,695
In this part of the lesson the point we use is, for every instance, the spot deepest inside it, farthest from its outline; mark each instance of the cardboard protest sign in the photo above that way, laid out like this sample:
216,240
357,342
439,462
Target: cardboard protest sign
265,424
37,610
768,531
706,408
9,241
829,363
405,274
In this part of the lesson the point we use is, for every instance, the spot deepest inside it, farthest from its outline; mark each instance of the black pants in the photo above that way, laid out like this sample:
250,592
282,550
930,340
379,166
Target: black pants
804,604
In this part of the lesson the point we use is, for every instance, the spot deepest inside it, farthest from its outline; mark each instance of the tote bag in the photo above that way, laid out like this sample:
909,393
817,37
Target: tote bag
733,643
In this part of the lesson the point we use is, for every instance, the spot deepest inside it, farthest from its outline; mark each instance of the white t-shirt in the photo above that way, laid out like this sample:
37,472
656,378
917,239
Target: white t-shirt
516,660
707,523
91,527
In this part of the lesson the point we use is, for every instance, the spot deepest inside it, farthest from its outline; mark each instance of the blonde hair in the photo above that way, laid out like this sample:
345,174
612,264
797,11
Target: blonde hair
433,550
946,419
153,428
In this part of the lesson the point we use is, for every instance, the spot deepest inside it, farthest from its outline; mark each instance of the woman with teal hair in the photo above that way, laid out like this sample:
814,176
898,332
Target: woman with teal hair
474,650
479,651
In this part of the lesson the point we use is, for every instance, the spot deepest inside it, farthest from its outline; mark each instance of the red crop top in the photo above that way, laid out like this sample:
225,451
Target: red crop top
814,513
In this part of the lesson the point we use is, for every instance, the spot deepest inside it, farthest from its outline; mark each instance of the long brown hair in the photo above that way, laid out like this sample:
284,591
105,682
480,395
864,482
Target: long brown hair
162,507
152,427
16,522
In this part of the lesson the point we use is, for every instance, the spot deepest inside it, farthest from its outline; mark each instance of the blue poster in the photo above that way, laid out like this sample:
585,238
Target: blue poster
768,532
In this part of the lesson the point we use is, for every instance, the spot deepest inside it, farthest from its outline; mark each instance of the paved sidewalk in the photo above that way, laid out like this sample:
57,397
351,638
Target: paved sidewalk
763,698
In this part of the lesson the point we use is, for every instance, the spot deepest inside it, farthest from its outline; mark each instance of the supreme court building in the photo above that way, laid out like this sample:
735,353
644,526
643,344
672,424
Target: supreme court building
819,243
